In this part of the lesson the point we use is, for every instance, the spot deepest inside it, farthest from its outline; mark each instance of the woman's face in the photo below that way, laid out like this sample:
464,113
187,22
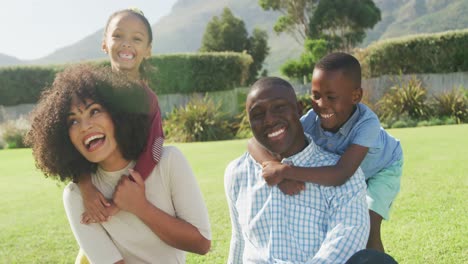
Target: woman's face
91,131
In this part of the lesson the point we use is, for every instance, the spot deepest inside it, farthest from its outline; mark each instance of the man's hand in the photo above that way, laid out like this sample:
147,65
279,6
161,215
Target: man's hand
130,195
94,202
273,172
291,187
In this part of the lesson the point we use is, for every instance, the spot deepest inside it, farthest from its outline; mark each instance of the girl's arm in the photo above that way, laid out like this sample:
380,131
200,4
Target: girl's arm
188,230
95,204
92,239
336,175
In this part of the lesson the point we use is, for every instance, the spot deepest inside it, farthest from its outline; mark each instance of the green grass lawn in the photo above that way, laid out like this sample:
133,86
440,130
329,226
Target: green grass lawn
429,221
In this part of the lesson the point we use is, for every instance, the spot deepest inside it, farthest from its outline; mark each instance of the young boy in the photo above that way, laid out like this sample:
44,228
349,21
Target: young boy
342,125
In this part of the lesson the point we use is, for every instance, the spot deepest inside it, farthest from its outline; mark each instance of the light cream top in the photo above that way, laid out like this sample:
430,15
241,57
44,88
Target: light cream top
171,187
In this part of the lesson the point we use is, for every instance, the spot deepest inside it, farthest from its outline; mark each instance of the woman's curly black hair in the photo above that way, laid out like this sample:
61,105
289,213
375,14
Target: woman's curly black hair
126,101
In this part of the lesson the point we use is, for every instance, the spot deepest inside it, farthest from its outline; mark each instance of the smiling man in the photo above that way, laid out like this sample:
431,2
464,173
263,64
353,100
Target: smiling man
318,225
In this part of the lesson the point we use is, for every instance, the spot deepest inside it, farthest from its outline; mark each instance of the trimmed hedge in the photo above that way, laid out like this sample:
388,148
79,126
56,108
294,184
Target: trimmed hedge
426,53
200,72
22,85
175,73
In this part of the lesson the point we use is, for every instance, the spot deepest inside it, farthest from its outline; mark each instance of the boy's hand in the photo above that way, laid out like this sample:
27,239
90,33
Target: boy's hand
291,187
130,195
273,172
94,202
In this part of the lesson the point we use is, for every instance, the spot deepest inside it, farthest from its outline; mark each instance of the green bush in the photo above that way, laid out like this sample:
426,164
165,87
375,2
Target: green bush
306,102
403,99
23,85
175,73
427,53
453,103
199,72
200,120
242,126
13,133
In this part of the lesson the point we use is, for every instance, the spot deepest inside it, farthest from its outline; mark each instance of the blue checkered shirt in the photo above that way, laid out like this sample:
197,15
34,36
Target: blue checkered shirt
319,225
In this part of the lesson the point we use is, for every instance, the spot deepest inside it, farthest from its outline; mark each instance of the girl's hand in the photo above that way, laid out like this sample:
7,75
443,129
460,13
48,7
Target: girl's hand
273,172
291,187
95,204
111,210
130,195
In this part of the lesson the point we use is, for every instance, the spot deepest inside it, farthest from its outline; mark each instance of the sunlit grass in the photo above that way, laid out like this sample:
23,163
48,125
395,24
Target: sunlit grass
428,222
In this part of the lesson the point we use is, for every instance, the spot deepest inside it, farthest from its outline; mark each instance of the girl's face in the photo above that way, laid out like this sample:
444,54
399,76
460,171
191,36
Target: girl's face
127,43
91,131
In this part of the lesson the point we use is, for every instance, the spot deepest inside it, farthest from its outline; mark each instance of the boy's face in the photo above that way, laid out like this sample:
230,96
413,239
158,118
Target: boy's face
333,98
274,120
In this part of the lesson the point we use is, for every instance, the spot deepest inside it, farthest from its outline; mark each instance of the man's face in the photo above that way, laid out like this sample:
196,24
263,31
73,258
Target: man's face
274,119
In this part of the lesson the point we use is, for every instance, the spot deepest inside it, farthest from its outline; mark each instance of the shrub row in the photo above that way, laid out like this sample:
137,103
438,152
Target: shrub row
200,72
408,104
22,85
426,53
176,73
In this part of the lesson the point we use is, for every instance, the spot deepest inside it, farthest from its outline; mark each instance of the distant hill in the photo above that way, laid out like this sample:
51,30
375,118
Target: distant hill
6,60
183,28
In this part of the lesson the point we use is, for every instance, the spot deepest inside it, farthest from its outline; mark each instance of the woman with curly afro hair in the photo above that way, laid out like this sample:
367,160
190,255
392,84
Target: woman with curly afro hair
94,121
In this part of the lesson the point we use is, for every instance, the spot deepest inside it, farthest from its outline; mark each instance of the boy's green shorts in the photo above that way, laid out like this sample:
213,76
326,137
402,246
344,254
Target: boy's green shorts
383,187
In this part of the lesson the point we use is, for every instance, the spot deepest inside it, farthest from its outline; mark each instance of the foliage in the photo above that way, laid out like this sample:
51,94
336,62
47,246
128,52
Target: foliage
175,73
305,102
295,16
22,85
225,33
302,69
13,132
403,99
425,53
200,120
243,129
453,103
257,47
228,33
343,23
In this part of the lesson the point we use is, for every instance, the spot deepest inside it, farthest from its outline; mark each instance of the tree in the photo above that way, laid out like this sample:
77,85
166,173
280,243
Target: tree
295,18
302,69
228,33
342,23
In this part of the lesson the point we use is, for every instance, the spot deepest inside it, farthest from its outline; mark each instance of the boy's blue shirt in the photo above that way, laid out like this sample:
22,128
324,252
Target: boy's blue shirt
362,128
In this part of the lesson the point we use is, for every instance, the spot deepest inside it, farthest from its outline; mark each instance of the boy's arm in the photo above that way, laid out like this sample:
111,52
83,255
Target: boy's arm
95,203
259,153
336,175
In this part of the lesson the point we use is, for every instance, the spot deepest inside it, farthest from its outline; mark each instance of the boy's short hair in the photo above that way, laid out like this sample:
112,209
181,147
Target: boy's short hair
340,61
125,101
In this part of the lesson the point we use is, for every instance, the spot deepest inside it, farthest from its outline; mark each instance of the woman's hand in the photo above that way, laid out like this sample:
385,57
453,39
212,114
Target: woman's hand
130,195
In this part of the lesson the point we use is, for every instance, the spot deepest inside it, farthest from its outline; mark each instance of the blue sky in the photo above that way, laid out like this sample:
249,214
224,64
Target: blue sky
32,29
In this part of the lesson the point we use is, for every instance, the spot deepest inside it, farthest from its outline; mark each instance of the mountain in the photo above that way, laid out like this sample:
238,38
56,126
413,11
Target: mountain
406,17
182,30
6,60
